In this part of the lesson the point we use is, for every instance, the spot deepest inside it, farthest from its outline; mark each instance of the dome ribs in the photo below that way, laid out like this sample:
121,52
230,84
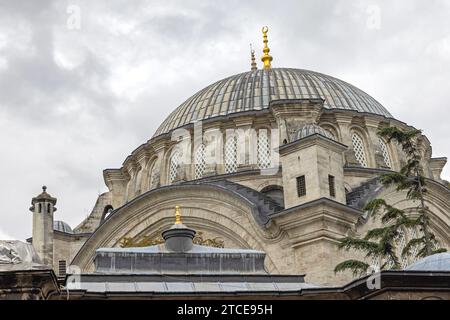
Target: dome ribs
254,90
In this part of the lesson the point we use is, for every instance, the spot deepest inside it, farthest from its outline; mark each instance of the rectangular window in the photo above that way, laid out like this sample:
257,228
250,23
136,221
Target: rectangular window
301,186
331,185
62,268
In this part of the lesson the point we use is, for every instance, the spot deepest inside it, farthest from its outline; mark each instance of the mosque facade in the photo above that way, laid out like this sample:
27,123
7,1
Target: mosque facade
269,169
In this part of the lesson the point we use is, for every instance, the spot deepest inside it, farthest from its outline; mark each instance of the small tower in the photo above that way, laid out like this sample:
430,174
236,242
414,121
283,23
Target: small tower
312,167
43,207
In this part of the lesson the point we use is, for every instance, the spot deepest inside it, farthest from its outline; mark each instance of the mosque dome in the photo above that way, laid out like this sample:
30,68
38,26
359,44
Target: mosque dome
62,227
253,91
436,262
309,130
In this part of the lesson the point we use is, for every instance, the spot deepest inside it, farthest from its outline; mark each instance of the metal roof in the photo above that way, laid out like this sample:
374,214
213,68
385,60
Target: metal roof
436,262
310,129
187,287
253,90
62,227
98,283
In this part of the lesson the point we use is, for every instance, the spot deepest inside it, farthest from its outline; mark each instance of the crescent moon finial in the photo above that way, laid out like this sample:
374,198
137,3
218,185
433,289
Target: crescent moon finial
266,58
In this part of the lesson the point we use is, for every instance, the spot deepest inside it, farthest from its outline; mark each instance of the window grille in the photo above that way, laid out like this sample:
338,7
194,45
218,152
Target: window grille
358,147
200,161
62,268
231,155
332,186
385,152
263,149
174,166
401,242
301,186
416,233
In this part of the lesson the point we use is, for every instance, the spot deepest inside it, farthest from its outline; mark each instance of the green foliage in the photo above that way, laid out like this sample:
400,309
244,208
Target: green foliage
380,242
406,139
440,250
357,267
358,244
413,243
390,213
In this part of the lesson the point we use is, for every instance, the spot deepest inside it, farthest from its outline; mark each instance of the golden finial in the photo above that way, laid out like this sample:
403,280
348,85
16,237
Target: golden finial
252,53
177,215
266,58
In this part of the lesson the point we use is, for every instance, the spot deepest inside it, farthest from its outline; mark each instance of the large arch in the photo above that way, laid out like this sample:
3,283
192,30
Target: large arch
216,211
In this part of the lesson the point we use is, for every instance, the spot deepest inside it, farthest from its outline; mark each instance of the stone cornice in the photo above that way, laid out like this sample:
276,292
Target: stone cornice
438,163
312,140
372,122
112,175
310,109
315,203
318,220
344,117
42,283
243,121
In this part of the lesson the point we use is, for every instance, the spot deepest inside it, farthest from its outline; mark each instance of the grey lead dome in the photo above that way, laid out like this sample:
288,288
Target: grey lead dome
253,90
309,130
435,262
62,227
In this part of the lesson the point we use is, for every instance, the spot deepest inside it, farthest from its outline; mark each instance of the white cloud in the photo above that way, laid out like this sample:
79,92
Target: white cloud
4,236
73,102
439,48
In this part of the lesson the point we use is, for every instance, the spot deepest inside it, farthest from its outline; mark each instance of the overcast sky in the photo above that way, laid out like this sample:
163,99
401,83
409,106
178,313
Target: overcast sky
77,96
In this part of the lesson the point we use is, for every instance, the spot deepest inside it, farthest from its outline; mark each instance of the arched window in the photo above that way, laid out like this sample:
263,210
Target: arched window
385,152
275,193
358,147
174,166
107,211
154,175
401,243
331,133
263,148
137,183
200,161
231,155
403,238
49,207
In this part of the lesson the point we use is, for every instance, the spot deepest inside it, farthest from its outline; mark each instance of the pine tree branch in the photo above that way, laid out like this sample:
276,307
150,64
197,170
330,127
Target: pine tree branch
413,243
357,267
357,244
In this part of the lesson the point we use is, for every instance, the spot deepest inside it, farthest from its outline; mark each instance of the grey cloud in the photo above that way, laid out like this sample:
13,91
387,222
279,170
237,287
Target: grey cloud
135,61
